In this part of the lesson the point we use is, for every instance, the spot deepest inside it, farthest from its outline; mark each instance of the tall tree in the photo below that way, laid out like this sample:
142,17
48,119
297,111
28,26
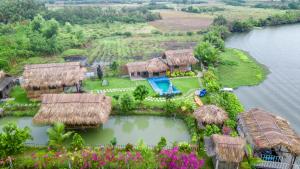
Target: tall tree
99,72
18,10
207,53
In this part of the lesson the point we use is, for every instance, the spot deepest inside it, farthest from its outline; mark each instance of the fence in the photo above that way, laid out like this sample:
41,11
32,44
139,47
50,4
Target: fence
276,162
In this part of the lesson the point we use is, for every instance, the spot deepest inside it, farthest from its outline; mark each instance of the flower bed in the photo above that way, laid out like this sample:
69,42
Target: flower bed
109,157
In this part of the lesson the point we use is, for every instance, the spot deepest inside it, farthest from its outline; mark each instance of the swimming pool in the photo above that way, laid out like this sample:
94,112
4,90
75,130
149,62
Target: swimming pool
163,86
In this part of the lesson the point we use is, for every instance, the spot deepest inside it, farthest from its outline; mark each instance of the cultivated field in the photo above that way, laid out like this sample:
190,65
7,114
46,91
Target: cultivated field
181,21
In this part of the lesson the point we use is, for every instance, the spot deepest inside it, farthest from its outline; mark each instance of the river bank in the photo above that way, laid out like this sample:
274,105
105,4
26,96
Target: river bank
239,68
278,49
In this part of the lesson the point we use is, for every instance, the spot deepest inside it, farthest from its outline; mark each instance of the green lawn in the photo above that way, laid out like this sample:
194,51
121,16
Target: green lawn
239,69
19,94
185,85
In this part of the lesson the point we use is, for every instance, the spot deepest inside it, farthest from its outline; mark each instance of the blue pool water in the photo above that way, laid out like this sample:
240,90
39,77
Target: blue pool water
161,85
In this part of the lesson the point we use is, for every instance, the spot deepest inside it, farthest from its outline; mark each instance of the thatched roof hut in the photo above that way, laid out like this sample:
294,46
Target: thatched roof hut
226,148
53,74
152,65
210,114
179,57
264,131
74,110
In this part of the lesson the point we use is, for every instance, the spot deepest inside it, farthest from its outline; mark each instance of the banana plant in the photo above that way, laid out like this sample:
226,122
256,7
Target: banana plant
251,161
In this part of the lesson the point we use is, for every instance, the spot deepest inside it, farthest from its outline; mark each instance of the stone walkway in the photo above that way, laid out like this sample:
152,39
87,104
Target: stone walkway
114,90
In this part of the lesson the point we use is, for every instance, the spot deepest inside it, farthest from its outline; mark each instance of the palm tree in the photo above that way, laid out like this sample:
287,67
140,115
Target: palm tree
251,161
57,135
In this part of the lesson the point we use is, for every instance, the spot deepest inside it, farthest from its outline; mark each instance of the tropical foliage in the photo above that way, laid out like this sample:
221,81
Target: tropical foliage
57,135
12,139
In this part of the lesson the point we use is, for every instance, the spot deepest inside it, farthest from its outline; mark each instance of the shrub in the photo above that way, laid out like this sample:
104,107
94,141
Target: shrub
129,147
231,104
113,142
140,93
161,144
126,103
185,147
57,135
12,139
170,107
211,129
230,123
186,106
77,142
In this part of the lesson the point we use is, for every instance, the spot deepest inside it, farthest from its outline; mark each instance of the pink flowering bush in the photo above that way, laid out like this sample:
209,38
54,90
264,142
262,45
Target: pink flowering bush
174,159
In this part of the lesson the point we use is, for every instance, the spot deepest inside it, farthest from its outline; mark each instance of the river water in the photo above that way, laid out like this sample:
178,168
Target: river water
127,129
278,48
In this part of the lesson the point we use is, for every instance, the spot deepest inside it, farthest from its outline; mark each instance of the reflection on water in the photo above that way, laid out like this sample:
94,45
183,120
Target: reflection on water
127,129
277,48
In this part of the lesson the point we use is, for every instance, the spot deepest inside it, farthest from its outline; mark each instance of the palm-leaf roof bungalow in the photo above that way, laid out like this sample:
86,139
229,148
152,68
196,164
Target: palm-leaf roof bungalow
272,138
227,152
210,114
76,110
171,60
181,60
52,78
6,83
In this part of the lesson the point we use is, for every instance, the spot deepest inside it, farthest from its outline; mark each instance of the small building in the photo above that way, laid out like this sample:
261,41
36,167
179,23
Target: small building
77,110
271,137
180,60
227,152
210,114
41,79
6,84
173,60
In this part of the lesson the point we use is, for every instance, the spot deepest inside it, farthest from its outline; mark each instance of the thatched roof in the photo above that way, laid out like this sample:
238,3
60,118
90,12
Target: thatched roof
82,110
269,131
156,65
54,74
180,57
229,149
210,114
152,65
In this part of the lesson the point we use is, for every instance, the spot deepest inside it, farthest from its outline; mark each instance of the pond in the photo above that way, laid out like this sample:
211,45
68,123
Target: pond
127,129
278,49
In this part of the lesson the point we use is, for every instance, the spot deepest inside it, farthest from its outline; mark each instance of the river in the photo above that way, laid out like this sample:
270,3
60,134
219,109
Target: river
278,48
127,129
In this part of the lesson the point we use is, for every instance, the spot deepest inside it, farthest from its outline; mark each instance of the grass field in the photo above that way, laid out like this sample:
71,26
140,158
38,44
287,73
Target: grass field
19,94
239,69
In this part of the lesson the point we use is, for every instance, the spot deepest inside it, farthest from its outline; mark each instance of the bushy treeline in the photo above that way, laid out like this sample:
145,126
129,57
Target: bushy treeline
188,1
18,10
84,15
96,1
284,6
246,25
234,2
202,9
34,38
